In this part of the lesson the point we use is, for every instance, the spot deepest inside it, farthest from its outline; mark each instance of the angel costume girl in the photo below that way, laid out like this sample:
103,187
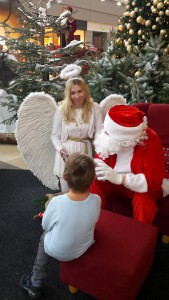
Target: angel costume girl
75,133
44,139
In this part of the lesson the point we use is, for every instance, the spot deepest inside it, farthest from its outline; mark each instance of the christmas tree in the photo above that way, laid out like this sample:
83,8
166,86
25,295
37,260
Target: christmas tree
38,67
140,20
136,62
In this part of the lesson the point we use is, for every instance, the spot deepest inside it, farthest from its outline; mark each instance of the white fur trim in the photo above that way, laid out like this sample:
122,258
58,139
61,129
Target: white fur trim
123,133
165,187
111,101
70,71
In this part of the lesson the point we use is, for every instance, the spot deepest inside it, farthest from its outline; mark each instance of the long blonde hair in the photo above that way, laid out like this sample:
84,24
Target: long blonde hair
67,105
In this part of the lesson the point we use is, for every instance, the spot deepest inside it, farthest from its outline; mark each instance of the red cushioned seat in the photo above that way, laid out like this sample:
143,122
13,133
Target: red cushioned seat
116,266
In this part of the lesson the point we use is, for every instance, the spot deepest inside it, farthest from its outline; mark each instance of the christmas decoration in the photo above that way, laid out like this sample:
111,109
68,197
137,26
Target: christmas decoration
146,16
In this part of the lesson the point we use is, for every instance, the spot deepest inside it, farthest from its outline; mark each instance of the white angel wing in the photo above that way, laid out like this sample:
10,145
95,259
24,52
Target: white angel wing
33,132
110,101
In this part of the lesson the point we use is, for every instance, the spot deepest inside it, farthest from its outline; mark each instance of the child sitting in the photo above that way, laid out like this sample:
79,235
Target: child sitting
68,222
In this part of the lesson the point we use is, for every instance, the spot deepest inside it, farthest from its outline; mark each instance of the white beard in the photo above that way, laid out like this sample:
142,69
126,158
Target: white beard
106,145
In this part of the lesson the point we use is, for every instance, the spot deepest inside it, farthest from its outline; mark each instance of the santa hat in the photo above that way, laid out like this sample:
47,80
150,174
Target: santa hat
125,123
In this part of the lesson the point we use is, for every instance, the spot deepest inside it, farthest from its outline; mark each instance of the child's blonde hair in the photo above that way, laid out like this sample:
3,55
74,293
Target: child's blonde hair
79,172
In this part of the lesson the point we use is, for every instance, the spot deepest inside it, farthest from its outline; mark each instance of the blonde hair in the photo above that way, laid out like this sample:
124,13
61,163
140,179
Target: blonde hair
67,105
79,172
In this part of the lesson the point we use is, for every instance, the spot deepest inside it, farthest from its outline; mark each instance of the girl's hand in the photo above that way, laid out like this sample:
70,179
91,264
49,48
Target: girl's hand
64,155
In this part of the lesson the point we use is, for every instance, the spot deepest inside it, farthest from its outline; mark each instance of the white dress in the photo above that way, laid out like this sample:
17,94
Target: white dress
75,136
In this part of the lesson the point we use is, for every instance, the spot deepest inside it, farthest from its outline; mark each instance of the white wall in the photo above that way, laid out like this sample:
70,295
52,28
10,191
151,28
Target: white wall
91,10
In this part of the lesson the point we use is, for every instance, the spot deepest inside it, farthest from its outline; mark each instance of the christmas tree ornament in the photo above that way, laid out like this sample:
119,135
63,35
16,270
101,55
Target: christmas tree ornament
136,9
139,19
121,27
161,13
131,31
132,14
167,12
155,2
126,14
158,19
138,74
154,27
129,48
160,5
163,31
140,32
148,23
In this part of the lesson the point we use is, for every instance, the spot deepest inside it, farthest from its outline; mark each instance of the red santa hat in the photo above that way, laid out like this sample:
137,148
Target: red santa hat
125,123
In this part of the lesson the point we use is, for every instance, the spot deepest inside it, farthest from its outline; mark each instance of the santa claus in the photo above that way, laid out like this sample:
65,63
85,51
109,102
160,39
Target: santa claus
129,161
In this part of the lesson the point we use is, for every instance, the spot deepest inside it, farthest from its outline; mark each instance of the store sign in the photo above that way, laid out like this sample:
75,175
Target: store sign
98,27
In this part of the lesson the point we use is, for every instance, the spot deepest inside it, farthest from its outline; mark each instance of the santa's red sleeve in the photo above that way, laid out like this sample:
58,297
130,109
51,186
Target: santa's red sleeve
149,160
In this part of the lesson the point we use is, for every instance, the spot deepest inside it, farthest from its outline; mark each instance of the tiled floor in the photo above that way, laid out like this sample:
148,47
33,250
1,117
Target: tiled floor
10,157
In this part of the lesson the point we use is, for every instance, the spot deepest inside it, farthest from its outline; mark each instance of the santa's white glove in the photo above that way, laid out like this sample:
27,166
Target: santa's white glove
104,172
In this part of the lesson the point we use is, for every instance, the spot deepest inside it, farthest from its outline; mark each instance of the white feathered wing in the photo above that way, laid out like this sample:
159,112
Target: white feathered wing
33,132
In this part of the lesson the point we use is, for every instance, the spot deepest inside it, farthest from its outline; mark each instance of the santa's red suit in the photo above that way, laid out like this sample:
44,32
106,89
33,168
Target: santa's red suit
133,162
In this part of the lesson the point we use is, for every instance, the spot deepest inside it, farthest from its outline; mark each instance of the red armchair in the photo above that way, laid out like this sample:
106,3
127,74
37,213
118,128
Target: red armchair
158,120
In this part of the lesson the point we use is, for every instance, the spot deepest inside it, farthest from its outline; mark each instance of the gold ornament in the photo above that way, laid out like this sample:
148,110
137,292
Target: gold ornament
126,14
121,27
163,31
167,12
132,14
165,50
136,9
128,7
154,27
157,19
160,5
152,8
134,3
154,11
128,26
139,19
129,48
155,2
130,40
140,32
148,23
131,31
161,13
138,74
126,44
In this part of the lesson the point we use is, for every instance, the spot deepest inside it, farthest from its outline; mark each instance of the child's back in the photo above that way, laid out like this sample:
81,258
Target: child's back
72,224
